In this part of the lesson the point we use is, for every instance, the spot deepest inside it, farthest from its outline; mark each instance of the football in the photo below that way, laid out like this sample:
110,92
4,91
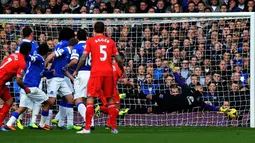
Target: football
232,113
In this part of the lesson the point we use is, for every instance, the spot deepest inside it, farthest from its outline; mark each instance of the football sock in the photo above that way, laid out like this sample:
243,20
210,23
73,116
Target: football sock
21,116
44,117
35,112
3,113
211,107
89,115
57,117
49,117
108,122
81,109
104,109
61,116
14,117
113,113
69,114
92,121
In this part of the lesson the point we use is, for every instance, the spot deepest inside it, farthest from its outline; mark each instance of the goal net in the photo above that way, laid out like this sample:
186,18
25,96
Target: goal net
210,51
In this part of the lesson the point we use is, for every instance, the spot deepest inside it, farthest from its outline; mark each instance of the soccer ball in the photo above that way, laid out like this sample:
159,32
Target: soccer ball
232,113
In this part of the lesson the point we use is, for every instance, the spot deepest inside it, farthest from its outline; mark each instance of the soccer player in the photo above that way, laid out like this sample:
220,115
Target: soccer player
28,35
101,76
117,74
32,80
180,99
12,65
57,84
81,81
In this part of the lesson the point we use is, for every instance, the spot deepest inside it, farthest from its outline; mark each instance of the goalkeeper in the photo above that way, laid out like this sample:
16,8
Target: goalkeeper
181,99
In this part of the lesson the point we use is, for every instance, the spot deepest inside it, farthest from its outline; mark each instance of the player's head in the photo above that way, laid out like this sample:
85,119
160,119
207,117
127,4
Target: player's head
43,49
99,27
72,42
66,34
25,48
82,35
28,32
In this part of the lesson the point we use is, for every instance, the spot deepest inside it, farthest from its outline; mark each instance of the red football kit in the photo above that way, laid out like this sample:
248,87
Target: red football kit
101,75
117,73
11,66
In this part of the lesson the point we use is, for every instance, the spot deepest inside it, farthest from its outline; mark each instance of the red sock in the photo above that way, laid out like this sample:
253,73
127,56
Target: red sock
113,113
104,109
108,122
89,115
3,113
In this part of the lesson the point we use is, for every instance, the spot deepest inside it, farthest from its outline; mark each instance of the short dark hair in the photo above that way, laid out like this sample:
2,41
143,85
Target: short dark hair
82,35
66,34
43,49
25,48
27,31
99,27
72,42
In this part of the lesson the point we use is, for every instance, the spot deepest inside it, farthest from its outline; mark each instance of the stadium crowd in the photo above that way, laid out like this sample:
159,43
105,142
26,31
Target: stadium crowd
213,54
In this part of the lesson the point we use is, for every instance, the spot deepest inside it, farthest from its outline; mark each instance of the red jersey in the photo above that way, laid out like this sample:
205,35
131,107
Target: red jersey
101,48
13,65
117,73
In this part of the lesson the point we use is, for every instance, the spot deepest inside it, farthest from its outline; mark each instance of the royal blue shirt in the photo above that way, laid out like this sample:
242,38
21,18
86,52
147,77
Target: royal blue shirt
77,53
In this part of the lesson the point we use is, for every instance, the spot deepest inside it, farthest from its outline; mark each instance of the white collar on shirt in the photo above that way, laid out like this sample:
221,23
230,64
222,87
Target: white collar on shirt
26,40
81,42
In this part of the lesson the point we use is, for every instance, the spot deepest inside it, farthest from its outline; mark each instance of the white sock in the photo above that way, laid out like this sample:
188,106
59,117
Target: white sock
92,121
47,121
11,121
61,116
36,110
69,113
82,110
21,116
43,120
57,117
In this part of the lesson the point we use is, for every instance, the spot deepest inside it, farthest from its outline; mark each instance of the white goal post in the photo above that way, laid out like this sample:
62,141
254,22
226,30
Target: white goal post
251,16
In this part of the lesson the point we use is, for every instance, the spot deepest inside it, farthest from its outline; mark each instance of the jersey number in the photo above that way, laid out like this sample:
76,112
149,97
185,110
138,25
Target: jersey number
88,60
8,61
102,51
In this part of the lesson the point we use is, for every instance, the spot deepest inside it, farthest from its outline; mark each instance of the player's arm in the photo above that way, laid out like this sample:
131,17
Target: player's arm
82,61
19,78
119,61
72,63
49,59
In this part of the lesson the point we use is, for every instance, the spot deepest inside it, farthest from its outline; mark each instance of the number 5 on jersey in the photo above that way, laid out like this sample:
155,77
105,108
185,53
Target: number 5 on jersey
102,51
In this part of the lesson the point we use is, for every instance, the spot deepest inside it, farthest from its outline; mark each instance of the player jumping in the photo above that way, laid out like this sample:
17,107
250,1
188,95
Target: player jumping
101,78
13,65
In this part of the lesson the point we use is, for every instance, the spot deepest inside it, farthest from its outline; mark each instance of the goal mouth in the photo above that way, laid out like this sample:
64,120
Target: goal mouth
214,50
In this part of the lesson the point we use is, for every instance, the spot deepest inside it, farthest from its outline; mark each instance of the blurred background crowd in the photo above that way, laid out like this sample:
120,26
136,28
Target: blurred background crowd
211,53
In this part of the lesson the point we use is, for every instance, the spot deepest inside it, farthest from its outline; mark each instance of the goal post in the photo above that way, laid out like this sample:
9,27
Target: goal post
151,19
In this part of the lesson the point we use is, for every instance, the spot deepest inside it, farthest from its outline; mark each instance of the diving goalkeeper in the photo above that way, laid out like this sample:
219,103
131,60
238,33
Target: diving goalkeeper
181,98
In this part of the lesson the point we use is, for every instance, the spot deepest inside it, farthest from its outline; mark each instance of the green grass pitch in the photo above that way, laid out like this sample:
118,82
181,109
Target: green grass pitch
134,135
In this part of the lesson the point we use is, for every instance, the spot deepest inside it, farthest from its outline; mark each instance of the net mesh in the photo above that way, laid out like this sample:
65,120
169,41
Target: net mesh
211,51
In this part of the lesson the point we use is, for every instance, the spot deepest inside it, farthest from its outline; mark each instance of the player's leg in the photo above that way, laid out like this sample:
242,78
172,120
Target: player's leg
20,120
94,90
112,110
61,116
35,112
103,108
52,88
7,98
14,117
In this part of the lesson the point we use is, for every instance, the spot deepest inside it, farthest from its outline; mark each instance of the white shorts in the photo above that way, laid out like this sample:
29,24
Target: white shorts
57,86
69,83
37,96
80,84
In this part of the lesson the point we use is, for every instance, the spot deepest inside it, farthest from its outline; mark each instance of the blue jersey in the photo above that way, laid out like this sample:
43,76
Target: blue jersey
77,54
63,54
34,46
34,71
